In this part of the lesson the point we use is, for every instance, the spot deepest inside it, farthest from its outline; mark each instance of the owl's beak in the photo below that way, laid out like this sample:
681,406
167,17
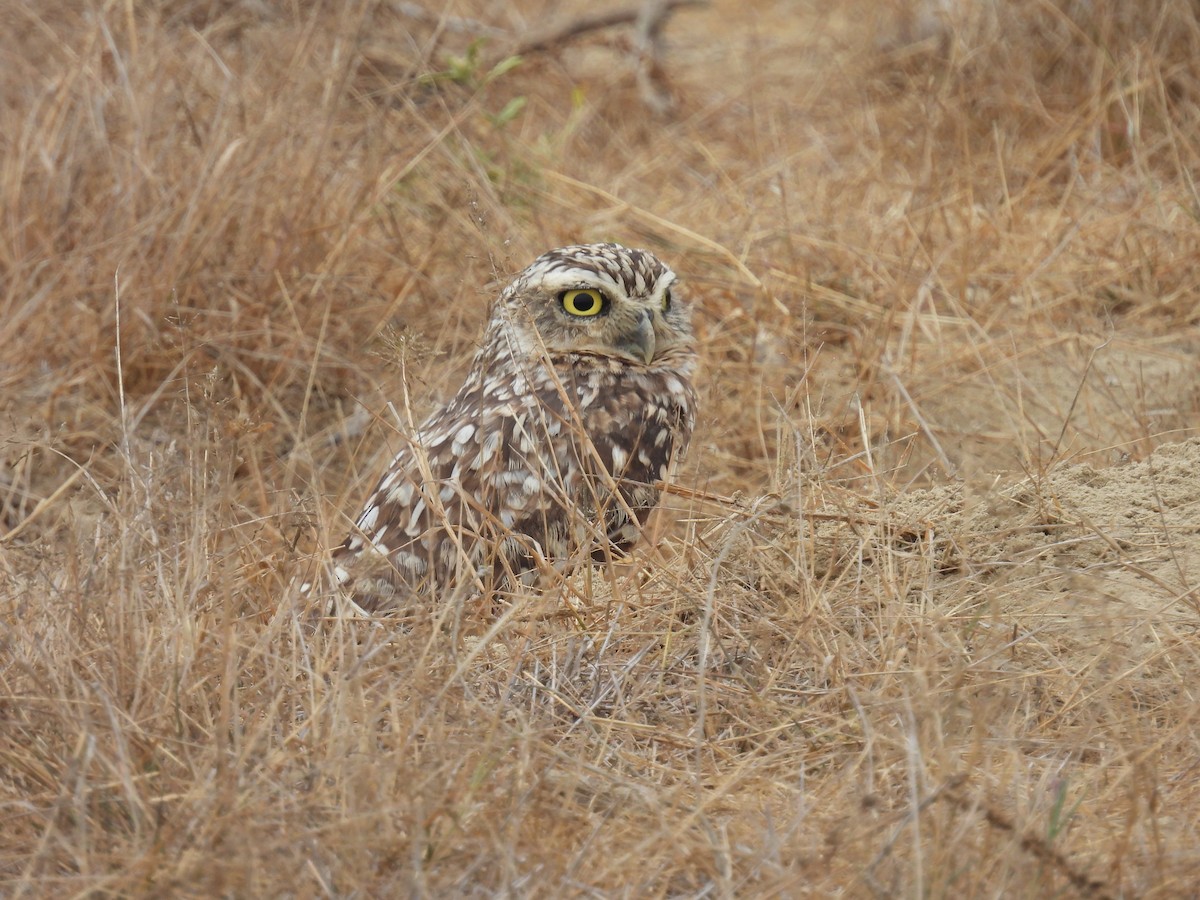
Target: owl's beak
639,343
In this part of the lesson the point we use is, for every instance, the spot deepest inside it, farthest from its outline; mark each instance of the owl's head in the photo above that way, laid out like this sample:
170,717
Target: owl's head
599,299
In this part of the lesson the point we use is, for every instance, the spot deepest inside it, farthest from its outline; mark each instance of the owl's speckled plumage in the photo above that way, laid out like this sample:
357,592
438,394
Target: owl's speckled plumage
549,453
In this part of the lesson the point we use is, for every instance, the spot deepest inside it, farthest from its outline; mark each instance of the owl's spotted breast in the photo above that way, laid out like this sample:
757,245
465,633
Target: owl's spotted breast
621,457
551,452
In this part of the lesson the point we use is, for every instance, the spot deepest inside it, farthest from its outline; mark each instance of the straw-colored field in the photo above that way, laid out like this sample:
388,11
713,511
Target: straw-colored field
922,616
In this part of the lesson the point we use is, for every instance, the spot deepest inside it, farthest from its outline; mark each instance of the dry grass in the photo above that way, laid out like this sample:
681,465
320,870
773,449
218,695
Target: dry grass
921,622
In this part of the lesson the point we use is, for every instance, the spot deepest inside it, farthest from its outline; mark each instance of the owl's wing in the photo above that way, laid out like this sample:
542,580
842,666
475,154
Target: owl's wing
475,499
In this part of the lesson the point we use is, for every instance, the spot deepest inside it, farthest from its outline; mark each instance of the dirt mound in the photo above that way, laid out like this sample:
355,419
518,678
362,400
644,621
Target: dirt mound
1129,533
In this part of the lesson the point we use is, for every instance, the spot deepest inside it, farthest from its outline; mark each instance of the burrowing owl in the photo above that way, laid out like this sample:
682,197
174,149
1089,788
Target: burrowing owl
549,455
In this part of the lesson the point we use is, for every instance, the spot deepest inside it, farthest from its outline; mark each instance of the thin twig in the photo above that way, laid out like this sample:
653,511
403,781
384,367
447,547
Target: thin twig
1039,848
556,34
448,23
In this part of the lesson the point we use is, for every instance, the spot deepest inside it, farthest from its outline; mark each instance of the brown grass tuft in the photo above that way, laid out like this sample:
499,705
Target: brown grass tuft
920,619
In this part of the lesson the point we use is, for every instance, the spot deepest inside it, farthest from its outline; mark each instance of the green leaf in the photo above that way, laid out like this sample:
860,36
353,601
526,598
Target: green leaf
511,110
504,66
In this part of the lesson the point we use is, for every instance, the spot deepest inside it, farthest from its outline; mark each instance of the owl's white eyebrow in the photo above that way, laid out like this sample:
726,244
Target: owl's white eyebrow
579,283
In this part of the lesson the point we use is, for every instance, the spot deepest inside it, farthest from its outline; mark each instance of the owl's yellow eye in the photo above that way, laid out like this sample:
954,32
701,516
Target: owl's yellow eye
584,302
667,300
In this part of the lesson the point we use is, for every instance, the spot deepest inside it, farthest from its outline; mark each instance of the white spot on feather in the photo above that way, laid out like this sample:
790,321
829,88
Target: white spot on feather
414,520
410,561
461,437
487,450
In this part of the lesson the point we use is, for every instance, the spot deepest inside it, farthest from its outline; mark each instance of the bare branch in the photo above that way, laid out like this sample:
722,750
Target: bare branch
649,18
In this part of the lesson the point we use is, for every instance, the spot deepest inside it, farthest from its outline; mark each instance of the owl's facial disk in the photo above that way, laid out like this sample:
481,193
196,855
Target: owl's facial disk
595,316
597,299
